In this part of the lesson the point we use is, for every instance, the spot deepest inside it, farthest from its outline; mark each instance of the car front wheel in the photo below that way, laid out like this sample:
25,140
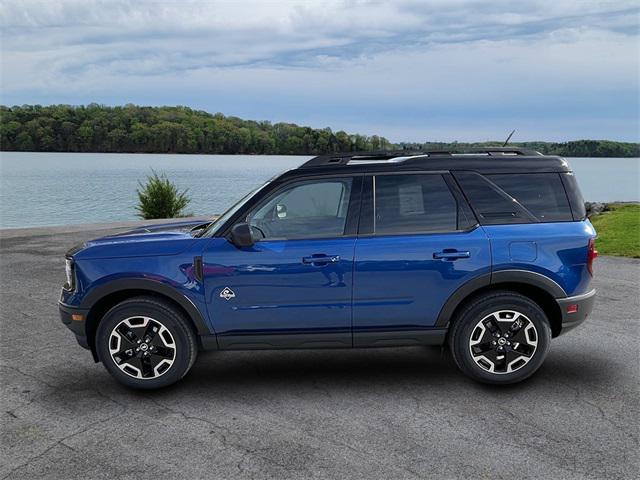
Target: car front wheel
501,337
146,343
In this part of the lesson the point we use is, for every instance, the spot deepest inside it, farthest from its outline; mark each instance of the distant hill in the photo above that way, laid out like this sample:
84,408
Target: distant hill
136,129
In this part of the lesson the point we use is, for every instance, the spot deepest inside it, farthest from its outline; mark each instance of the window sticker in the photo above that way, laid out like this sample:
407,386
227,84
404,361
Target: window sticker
410,199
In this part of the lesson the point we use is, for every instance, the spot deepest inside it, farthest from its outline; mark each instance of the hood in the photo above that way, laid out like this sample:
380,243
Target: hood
183,226
150,240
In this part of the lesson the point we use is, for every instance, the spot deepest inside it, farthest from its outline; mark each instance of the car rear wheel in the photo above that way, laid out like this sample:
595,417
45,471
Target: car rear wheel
146,343
502,337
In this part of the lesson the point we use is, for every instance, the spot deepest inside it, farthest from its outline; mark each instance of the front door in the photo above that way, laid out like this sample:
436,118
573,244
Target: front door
293,287
418,244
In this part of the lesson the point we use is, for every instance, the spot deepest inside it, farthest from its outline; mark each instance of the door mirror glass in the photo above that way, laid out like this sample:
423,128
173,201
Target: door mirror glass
241,235
281,211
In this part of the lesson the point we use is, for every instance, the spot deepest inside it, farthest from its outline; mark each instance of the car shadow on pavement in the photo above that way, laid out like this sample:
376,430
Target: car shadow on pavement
388,368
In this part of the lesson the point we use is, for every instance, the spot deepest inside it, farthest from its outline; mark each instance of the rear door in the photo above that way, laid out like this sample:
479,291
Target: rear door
418,243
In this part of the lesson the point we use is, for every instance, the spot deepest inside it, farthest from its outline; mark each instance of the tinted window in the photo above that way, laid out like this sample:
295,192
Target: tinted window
304,210
415,204
575,197
540,193
492,205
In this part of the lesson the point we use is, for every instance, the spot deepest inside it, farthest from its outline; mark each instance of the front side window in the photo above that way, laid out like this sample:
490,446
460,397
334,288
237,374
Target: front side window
311,209
415,204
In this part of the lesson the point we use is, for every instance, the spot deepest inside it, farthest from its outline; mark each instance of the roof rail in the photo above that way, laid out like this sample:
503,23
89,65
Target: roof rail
506,151
344,158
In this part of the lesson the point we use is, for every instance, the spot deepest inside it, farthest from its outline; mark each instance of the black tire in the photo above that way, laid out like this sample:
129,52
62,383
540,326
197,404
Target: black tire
171,344
487,324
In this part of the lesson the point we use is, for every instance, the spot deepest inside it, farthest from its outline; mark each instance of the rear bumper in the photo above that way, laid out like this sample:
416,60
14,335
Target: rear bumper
76,326
582,304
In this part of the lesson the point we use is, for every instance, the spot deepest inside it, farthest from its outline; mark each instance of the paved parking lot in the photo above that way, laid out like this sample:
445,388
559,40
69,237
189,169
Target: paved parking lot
378,413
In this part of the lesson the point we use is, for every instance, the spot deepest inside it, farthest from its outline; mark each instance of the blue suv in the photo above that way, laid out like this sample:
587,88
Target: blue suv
489,253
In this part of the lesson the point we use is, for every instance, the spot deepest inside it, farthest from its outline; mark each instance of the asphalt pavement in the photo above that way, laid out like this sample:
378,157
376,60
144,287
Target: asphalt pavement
336,414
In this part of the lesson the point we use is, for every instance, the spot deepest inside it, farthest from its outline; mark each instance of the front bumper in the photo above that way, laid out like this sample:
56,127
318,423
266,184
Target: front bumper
75,324
582,304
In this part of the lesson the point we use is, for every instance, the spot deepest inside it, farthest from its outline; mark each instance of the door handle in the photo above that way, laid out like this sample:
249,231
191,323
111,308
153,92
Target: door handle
451,254
318,259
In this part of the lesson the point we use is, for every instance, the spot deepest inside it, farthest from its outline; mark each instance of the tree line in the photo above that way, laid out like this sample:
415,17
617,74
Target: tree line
576,148
137,129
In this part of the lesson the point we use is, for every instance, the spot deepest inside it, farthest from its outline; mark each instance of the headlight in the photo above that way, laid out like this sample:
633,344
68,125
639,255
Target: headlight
71,277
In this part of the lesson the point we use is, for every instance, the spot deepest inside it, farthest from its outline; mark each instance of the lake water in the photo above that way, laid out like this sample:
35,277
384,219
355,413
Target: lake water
41,189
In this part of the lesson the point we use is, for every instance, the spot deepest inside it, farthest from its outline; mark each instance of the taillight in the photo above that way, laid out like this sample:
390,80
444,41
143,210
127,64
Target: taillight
592,253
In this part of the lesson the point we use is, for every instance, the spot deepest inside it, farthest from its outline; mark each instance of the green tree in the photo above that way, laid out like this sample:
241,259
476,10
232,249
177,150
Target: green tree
132,128
160,198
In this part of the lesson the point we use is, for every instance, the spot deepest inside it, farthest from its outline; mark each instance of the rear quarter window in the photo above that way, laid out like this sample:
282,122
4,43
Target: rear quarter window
541,193
539,197
575,196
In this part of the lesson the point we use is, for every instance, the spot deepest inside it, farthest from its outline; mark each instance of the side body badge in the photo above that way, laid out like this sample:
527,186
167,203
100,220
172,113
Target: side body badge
227,293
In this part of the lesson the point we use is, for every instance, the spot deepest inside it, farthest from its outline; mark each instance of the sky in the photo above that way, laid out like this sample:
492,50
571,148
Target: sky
409,70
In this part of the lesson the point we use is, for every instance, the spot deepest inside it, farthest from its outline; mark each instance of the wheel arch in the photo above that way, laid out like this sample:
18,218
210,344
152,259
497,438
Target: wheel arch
102,299
539,288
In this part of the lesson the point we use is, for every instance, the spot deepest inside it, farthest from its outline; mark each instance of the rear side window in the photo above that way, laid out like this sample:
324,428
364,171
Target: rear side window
541,193
415,204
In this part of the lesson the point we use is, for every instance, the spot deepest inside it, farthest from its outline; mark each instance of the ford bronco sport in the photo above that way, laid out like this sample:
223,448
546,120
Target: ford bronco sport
489,253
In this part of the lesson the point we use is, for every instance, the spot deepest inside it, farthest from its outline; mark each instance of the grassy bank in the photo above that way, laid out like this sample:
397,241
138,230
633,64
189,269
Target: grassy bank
619,230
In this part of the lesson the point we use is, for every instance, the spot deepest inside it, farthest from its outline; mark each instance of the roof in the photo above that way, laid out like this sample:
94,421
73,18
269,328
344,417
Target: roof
491,160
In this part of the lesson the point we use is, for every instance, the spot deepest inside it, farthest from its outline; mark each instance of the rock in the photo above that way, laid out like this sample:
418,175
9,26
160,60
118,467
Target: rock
594,208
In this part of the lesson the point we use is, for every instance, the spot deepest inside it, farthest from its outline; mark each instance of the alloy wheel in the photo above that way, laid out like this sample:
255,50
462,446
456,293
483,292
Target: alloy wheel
142,347
503,342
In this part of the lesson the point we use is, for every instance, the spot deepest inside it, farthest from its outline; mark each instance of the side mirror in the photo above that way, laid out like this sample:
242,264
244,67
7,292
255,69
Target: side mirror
241,235
281,211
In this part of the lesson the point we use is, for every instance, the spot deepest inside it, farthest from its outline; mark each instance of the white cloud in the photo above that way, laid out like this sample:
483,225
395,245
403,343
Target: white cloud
325,62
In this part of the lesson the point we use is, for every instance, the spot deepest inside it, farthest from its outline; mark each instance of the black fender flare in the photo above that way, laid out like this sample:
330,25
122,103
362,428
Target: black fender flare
524,277
151,286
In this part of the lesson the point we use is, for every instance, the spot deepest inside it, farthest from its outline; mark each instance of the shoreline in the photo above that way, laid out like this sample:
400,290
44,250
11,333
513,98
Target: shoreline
238,154
593,208
39,231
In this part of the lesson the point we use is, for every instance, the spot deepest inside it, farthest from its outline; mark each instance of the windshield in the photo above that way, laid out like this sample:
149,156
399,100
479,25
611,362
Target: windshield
222,219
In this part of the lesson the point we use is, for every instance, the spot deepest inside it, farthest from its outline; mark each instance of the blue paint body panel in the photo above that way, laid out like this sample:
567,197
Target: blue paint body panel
137,245
164,258
398,284
561,251
275,292
523,251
